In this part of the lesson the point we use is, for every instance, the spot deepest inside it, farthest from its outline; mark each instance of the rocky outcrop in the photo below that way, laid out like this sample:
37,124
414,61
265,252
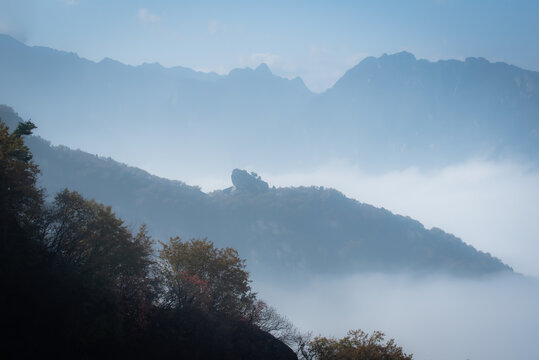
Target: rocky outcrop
249,182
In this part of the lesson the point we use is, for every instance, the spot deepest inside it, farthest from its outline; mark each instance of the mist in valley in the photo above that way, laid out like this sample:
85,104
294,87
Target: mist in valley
384,159
492,205
432,317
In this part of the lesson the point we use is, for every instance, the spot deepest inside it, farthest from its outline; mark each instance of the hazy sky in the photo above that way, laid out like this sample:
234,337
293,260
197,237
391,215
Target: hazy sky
317,40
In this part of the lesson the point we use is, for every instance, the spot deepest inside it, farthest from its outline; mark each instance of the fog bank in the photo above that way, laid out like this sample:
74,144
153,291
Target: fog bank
433,318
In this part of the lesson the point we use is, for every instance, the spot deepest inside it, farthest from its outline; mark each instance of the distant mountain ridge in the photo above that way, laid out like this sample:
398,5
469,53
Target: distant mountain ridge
432,111
125,106
281,231
385,113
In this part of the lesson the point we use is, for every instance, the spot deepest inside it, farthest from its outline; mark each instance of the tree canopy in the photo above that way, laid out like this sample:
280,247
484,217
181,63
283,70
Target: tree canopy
198,273
18,175
357,345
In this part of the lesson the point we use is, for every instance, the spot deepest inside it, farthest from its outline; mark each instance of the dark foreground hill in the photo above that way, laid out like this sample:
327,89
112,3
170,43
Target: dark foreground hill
77,284
307,230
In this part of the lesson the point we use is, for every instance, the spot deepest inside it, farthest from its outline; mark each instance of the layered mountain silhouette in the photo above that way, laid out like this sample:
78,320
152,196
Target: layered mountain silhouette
437,111
385,113
309,230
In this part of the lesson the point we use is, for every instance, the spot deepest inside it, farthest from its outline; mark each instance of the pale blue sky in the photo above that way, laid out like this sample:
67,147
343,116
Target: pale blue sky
317,40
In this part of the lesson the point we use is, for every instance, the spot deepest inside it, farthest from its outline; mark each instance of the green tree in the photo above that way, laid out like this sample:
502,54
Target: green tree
198,274
21,200
93,242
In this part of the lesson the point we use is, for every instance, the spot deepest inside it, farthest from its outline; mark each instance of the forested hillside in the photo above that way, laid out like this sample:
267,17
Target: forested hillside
309,230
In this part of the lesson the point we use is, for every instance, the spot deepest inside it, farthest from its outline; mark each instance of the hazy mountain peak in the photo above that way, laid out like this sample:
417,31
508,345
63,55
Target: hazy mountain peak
404,55
109,61
154,65
263,69
400,57
477,60
262,76
398,60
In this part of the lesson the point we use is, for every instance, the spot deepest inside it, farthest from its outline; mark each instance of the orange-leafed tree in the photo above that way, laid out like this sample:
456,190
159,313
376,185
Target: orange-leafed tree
357,345
199,274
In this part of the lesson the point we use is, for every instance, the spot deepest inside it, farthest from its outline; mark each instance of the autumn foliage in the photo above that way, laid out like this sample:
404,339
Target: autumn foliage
357,345
198,274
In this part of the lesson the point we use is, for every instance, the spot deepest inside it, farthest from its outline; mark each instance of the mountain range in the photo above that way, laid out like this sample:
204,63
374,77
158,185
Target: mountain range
385,113
280,231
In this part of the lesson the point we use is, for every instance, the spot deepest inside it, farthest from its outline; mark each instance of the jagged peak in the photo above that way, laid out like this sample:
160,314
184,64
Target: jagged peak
263,68
403,55
476,60
154,65
107,60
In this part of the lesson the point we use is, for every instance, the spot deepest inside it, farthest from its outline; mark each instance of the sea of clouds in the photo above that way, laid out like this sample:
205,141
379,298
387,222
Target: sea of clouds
440,318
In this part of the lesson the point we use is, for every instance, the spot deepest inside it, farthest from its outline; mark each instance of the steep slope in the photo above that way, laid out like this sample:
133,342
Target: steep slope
305,230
